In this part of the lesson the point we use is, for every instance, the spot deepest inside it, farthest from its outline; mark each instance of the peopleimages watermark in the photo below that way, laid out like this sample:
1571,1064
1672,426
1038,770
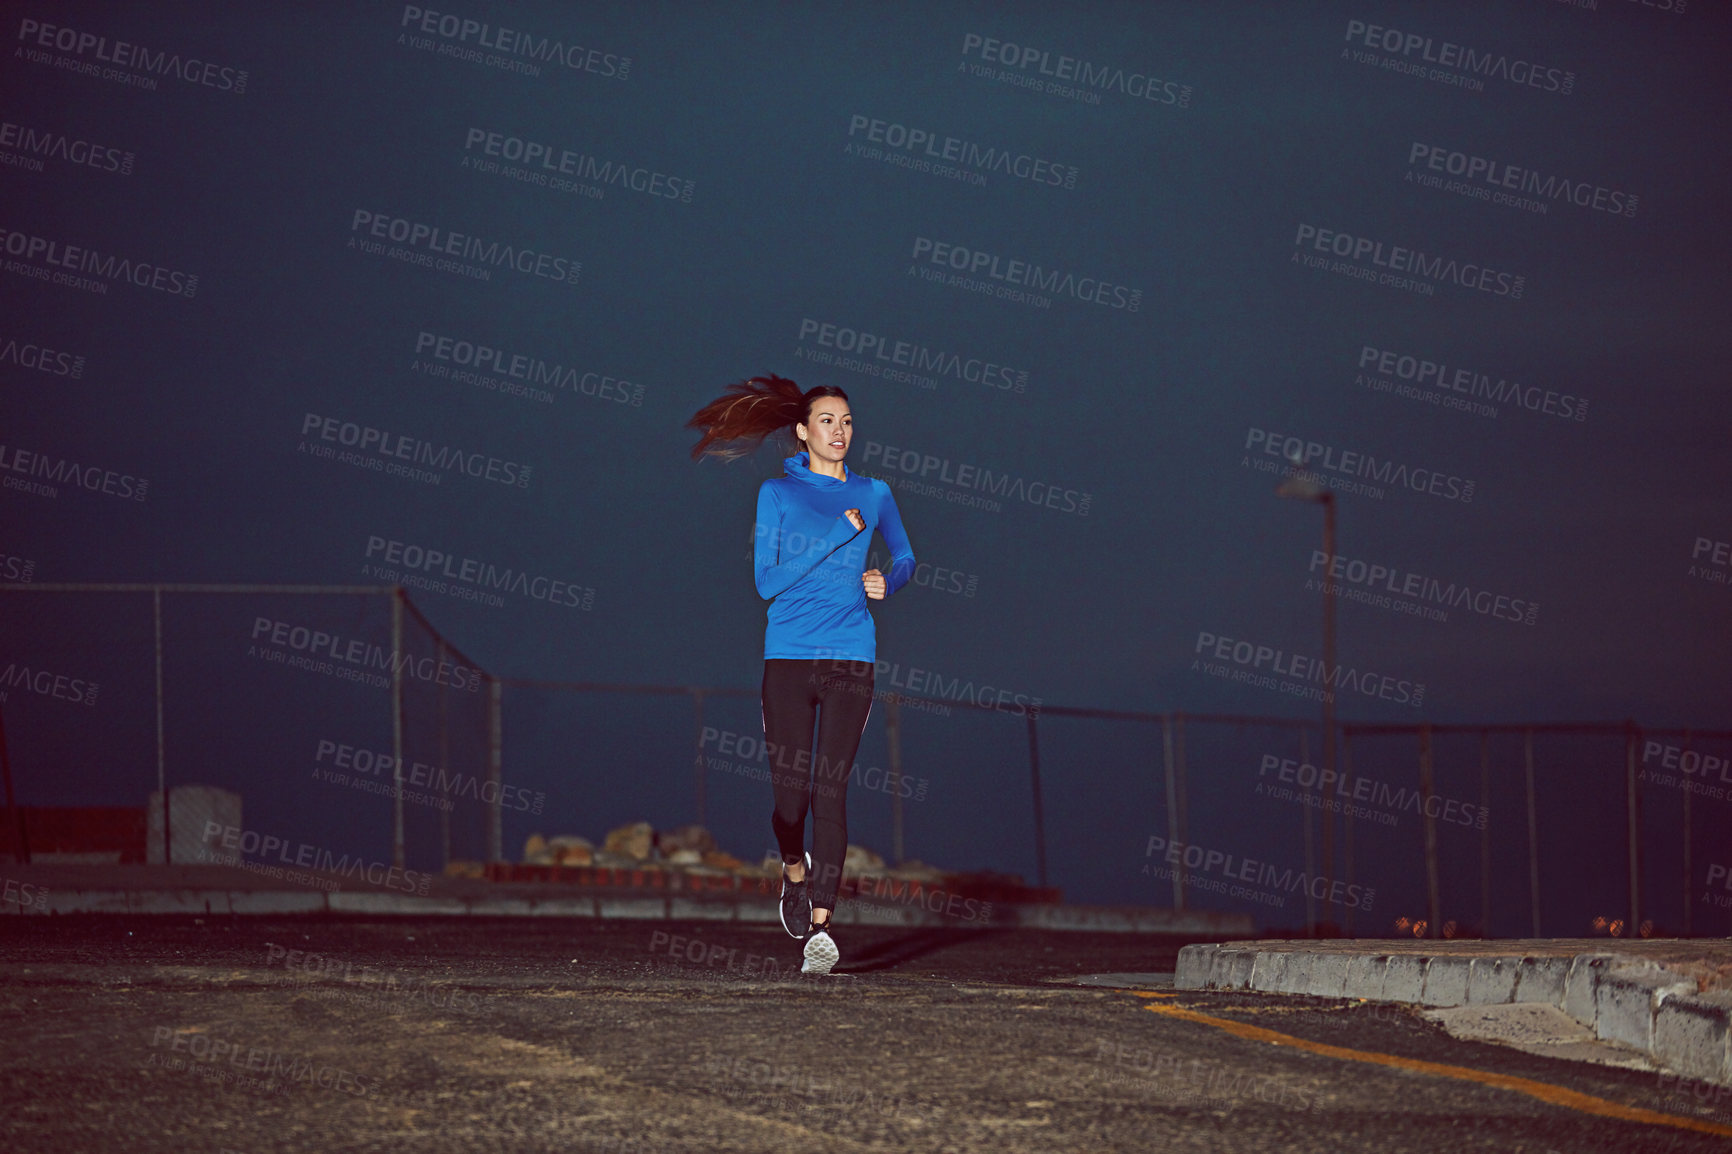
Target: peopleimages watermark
86,269
1711,561
1397,266
366,986
247,843
400,455
515,374
1025,66
47,683
19,569
1438,383
248,1066
41,358
563,170
358,767
127,63
873,354
890,676
439,571
698,952
788,1086
1393,588
1014,279
1514,186
1195,1083
24,895
972,485
1461,65
1690,770
1262,882
510,49
352,659
925,150
464,254
55,471
1348,468
1718,872
1247,661
754,754
1357,796
938,578
33,145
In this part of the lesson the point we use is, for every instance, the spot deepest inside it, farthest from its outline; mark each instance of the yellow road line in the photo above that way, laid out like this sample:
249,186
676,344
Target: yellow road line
1545,1092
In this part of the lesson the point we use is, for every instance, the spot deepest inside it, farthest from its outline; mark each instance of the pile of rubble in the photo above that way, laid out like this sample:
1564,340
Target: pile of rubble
692,849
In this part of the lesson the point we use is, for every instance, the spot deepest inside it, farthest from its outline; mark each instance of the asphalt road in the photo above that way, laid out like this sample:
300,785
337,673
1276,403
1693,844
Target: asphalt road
243,1034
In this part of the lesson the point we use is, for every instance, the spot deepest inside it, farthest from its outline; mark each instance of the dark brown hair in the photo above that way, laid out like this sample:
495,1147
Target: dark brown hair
737,422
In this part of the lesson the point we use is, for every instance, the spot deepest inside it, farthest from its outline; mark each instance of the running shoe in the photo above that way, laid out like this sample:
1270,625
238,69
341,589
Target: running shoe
821,951
797,902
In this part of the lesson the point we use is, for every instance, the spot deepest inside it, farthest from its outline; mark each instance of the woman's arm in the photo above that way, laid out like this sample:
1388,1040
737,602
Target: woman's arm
775,575
901,554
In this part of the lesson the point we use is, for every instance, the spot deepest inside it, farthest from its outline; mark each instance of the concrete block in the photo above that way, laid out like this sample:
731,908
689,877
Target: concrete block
1196,963
1269,970
1580,979
1238,967
755,911
370,902
1491,981
1693,1035
1446,981
633,907
1541,980
1365,976
1295,978
176,901
1626,999
87,902
563,908
1328,975
275,902
1404,978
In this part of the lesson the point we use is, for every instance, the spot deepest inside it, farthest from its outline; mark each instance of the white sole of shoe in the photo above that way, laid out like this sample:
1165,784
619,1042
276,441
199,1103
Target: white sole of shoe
821,954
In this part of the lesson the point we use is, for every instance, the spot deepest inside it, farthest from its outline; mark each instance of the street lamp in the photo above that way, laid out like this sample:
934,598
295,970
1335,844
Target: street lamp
1301,485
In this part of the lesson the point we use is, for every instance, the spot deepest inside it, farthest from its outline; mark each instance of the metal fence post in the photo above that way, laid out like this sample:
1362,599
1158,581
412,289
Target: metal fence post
1347,830
495,765
1434,907
161,761
1533,832
444,760
1310,855
1039,816
893,736
698,783
1173,838
1485,834
1633,800
397,851
1689,920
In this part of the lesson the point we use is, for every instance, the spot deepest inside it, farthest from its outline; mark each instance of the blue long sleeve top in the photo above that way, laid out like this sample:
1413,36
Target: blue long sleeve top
808,558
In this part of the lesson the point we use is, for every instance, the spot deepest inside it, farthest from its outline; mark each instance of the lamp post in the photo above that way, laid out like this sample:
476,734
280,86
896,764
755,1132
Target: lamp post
1300,485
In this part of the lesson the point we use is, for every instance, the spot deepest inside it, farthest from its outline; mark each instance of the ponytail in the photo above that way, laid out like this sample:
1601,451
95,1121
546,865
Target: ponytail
737,422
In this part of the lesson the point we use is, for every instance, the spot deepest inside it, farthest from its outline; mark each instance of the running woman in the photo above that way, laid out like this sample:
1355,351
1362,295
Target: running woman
814,525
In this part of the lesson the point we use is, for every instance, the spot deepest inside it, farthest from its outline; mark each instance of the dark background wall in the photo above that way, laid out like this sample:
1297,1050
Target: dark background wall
1470,259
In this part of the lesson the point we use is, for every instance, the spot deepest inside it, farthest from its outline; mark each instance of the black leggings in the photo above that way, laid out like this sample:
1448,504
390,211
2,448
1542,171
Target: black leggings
839,695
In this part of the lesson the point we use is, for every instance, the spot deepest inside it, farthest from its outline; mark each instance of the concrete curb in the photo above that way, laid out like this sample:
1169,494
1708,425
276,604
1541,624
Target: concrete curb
1621,999
636,905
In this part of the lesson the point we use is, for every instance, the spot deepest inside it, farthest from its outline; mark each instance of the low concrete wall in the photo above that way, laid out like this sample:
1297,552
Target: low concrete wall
1621,998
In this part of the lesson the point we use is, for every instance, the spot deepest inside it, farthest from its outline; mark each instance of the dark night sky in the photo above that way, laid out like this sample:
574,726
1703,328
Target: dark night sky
1147,412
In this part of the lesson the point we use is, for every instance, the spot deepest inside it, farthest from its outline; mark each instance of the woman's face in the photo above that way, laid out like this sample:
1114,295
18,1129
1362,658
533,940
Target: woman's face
828,429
